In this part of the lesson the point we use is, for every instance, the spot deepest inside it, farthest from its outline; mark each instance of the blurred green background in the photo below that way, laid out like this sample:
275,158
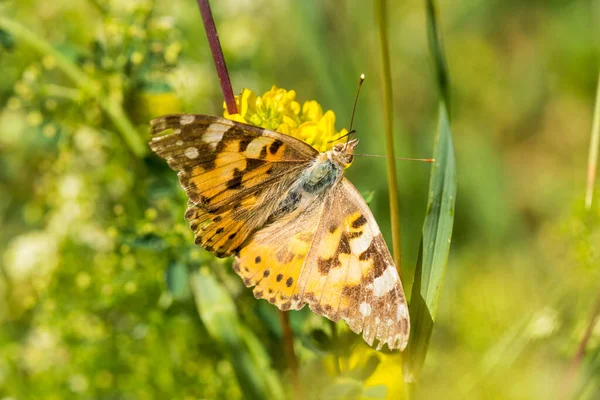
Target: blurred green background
102,292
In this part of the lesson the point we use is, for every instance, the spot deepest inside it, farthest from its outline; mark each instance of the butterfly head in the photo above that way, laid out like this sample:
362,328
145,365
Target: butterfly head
343,153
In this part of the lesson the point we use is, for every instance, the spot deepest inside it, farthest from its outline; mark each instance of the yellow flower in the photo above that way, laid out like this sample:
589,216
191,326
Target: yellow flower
388,374
278,110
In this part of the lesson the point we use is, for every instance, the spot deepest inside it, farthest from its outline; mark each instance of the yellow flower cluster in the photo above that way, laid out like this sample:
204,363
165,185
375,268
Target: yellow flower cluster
278,110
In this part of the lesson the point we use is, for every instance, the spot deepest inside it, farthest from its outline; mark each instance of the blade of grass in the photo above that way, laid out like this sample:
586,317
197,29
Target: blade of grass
388,109
248,358
114,111
439,220
594,148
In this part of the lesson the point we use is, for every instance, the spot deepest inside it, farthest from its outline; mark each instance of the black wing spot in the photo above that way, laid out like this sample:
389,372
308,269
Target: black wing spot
360,221
279,277
344,245
257,260
236,181
289,282
253,163
275,146
263,152
244,144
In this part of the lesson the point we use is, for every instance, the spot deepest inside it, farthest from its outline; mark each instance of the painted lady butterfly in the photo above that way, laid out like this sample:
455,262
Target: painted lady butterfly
300,232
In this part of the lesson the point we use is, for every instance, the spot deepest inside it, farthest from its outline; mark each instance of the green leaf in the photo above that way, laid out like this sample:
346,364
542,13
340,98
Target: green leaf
6,40
439,220
368,196
245,352
343,388
375,392
177,278
362,371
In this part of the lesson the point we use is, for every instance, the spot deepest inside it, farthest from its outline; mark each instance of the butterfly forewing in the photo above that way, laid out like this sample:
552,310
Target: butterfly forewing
234,174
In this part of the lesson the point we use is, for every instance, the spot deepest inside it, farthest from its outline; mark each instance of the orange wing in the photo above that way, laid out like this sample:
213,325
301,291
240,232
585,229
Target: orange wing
330,255
234,174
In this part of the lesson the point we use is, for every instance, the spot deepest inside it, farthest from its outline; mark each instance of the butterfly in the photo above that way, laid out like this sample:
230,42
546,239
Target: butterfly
300,232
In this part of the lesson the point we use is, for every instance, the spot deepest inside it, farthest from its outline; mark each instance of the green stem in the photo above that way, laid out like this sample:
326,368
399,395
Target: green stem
62,92
594,147
290,353
336,356
82,81
578,357
386,83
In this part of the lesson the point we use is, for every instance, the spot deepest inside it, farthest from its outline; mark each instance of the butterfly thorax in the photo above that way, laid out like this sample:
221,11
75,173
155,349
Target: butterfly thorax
321,175
327,168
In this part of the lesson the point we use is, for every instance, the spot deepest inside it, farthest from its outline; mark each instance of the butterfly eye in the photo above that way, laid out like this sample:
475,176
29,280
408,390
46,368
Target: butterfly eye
338,147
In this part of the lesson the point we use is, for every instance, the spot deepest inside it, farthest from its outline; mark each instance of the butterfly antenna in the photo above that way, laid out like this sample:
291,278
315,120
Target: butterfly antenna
429,160
351,132
360,82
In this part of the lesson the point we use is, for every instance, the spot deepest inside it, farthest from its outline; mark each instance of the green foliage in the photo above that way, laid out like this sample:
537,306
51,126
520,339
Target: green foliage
439,219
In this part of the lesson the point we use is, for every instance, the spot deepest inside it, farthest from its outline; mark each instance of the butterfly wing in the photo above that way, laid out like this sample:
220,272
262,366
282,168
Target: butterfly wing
234,174
333,258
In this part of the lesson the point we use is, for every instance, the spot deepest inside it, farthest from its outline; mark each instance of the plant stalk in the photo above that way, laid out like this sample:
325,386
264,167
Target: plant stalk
290,353
578,357
217,53
386,86
594,148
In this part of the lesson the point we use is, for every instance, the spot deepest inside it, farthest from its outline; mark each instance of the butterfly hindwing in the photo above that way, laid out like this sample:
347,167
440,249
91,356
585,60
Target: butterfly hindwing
333,258
234,174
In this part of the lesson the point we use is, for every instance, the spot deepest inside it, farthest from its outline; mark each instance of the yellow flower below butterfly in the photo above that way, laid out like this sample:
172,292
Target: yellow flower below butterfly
277,110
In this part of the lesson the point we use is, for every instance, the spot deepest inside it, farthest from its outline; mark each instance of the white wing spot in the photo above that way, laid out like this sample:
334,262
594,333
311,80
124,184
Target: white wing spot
191,153
362,242
375,229
365,309
402,312
385,282
187,119
176,131
214,134
179,143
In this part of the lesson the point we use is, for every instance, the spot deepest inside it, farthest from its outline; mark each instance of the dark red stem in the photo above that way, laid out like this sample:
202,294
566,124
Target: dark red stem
217,53
290,353
578,358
